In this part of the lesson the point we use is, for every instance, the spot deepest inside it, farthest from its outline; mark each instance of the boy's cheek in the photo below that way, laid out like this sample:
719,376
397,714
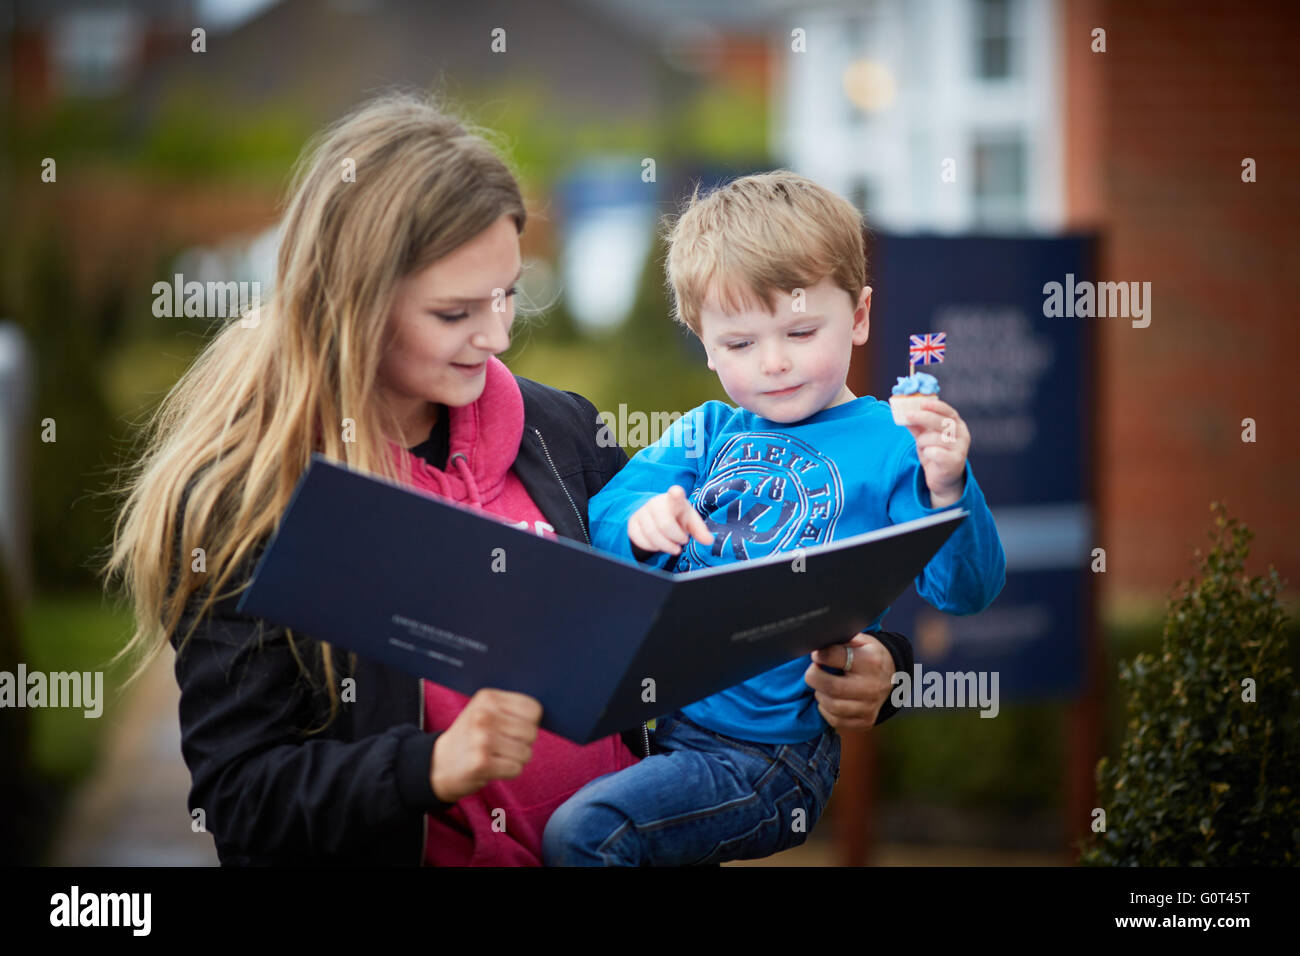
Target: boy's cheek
730,382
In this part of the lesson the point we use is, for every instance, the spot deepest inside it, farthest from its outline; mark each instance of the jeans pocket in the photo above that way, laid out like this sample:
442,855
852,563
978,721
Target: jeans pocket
827,755
780,825
810,803
815,765
800,814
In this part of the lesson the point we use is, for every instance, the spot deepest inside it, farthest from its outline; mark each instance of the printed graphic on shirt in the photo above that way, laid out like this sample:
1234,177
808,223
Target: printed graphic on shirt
543,528
766,492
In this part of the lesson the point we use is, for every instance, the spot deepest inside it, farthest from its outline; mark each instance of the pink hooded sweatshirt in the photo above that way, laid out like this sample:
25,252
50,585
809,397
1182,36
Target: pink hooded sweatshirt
484,441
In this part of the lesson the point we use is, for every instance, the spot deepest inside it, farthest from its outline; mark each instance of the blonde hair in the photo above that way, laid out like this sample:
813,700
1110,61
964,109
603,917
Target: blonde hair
232,437
758,236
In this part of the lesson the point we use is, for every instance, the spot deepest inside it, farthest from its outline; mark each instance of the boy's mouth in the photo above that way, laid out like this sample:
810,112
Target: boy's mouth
785,391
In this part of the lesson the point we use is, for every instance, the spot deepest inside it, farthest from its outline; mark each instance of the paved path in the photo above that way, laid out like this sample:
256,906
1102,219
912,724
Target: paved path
132,811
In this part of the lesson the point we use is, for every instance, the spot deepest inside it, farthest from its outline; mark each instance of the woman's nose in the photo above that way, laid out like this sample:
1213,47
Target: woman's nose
495,336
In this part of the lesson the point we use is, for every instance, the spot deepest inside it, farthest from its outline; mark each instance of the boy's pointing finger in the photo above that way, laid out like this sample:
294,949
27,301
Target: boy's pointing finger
698,529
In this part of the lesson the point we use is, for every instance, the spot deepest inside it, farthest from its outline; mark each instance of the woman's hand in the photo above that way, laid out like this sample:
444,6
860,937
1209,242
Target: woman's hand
491,739
852,701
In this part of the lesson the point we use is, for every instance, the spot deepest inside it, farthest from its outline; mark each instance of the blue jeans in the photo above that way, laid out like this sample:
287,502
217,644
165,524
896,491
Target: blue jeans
701,798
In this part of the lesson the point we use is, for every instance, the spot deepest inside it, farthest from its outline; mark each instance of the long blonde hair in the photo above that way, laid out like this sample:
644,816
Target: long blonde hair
375,197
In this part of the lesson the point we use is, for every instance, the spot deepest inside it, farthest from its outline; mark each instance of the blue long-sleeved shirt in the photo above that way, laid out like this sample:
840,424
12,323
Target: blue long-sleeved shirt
765,487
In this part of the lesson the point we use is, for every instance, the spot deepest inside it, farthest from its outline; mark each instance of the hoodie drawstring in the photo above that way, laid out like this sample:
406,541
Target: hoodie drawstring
462,464
444,486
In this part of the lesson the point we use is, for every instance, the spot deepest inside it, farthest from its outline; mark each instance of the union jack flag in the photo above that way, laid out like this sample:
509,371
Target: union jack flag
926,349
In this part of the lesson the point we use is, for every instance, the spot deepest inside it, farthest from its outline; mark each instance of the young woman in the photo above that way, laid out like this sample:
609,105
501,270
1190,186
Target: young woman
377,348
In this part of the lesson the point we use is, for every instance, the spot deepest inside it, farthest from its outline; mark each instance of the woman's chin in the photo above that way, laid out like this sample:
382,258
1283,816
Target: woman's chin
466,394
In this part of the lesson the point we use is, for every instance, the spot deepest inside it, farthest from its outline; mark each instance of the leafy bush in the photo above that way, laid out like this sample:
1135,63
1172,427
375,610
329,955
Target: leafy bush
1209,774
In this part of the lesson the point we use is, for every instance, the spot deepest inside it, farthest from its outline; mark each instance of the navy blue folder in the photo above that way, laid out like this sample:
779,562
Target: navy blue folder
467,601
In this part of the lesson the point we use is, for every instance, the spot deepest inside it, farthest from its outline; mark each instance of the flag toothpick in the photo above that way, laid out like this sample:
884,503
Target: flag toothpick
925,349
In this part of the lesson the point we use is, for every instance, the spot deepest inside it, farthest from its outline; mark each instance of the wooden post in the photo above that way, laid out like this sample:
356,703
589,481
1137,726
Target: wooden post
855,803
1084,717
1083,739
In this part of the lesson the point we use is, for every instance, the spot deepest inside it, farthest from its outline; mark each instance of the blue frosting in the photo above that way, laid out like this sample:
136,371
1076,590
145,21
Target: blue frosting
920,382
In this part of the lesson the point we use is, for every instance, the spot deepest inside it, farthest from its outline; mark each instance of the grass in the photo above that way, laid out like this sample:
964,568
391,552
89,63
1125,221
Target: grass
72,632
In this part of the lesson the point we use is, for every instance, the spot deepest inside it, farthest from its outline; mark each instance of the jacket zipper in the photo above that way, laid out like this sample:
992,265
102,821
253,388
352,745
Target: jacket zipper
645,731
582,524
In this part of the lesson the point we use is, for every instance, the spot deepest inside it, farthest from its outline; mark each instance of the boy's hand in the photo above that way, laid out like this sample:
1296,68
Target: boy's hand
942,443
665,522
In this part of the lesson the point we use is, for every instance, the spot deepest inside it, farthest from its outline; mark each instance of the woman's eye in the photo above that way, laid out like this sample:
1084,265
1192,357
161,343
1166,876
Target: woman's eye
456,316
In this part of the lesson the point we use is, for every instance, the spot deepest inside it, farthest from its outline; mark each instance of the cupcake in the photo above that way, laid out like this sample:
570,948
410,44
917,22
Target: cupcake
909,393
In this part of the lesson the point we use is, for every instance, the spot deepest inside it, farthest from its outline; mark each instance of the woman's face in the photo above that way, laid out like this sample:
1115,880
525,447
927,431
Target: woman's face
446,321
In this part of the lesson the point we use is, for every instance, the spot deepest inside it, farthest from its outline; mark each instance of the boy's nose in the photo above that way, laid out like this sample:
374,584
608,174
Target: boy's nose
774,362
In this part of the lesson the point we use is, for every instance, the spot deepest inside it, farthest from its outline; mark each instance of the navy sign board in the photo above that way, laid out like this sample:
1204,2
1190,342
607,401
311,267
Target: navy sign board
1022,383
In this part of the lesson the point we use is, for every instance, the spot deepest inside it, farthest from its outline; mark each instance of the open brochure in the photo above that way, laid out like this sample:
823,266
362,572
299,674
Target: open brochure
467,601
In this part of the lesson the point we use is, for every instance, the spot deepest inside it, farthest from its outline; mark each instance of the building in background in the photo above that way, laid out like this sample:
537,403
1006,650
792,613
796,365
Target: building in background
934,115
63,48
1156,133
1142,144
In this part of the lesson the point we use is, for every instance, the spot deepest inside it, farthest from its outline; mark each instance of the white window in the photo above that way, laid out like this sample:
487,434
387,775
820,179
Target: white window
996,43
1000,188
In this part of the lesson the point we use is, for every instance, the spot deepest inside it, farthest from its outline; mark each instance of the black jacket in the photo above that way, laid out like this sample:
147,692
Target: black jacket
357,792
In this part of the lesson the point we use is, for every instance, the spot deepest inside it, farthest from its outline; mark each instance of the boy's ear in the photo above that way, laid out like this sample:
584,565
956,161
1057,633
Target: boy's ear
862,317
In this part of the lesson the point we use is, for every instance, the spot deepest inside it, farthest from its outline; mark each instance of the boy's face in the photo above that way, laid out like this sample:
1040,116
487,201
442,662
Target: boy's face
788,365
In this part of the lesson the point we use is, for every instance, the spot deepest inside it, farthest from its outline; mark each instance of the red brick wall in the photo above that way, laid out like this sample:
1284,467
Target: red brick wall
1157,128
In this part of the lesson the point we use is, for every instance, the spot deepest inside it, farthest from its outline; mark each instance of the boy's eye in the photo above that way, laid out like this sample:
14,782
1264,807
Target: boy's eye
733,346
803,334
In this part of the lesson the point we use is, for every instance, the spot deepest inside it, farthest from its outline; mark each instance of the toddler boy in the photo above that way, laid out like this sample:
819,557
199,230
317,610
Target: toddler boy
769,272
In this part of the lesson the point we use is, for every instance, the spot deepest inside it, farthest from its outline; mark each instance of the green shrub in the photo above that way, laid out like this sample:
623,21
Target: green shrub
1209,773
